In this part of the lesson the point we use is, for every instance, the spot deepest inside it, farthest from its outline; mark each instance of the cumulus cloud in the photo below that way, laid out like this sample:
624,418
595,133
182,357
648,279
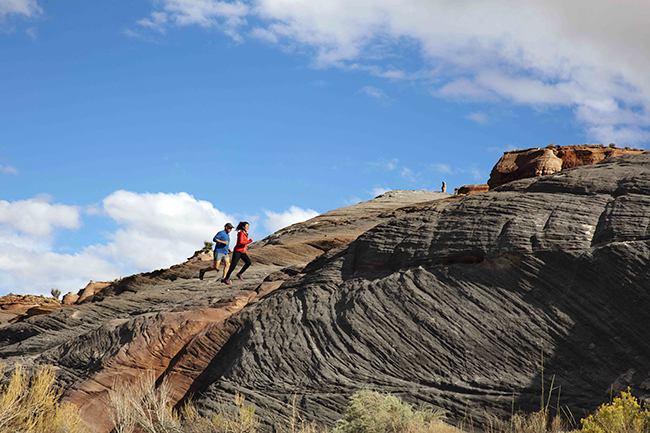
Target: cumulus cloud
27,8
275,221
546,53
155,231
159,230
37,216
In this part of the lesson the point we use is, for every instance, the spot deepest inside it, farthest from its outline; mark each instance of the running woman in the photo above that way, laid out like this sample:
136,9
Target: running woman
240,250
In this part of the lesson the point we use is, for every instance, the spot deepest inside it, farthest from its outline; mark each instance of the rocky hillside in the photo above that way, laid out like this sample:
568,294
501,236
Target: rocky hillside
466,303
168,320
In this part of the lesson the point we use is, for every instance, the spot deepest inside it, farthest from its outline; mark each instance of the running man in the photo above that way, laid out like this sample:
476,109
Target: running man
221,242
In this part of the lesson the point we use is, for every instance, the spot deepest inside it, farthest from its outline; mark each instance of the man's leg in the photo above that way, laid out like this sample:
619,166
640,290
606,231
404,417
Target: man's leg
209,268
226,266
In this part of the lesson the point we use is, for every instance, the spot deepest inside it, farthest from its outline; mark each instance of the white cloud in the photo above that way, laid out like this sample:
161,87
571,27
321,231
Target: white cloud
264,35
442,168
546,53
276,221
160,229
157,231
408,174
28,8
478,117
385,165
36,216
157,21
32,32
352,201
227,16
8,169
379,190
377,94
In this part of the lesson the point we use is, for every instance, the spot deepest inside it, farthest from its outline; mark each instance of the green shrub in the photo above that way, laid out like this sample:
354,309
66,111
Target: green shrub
623,415
371,412
207,245
55,293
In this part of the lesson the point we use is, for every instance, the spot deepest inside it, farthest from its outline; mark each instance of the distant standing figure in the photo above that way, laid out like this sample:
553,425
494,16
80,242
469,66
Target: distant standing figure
240,250
444,187
221,241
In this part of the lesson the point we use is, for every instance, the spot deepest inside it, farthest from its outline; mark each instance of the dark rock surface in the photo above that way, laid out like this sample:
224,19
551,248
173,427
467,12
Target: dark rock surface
467,303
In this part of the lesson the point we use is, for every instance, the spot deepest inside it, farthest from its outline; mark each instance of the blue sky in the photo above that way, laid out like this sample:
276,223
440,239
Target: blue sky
131,131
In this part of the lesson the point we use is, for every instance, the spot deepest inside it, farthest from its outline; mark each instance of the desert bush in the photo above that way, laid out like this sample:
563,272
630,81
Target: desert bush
371,412
143,406
55,293
31,405
207,245
622,415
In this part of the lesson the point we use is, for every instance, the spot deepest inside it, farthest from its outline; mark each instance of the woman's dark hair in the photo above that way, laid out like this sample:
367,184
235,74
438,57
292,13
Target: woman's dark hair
241,225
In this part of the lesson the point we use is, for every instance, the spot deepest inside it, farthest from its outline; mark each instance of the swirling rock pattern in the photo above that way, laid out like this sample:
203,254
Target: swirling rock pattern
468,304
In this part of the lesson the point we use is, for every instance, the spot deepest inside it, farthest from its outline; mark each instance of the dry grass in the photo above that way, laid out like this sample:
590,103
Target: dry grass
144,407
31,404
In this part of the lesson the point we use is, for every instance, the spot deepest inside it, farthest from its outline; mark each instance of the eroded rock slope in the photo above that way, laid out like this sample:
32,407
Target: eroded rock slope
168,321
466,304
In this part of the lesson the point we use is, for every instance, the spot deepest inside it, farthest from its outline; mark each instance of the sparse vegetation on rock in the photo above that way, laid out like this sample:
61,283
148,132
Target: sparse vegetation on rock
31,405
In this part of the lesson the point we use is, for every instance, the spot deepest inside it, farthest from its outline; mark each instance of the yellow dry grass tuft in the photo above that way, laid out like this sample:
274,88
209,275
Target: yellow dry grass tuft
31,404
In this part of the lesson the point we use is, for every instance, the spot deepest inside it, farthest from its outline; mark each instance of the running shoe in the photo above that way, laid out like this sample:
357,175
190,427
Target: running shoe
227,281
240,277
201,273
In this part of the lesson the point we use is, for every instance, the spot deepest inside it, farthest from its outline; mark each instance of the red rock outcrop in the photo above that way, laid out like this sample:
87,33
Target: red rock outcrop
471,189
521,164
16,307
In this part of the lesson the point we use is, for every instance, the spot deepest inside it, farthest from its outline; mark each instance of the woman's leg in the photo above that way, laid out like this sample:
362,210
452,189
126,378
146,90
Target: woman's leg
247,263
235,259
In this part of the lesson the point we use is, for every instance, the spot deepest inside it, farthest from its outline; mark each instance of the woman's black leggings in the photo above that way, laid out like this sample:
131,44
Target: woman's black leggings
236,255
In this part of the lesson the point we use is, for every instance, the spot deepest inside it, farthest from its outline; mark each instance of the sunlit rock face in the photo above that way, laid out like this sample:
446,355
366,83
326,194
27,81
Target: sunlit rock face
458,302
521,164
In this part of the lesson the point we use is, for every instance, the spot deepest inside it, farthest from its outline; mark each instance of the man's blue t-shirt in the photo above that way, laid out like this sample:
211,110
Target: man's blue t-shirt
218,246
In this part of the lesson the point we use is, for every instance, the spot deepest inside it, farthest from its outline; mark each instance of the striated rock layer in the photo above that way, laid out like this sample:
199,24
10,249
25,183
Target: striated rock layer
466,303
168,321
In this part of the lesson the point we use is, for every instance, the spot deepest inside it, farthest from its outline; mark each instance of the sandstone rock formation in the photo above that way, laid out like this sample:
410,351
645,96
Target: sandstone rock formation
70,298
457,302
521,164
15,307
471,189
91,288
